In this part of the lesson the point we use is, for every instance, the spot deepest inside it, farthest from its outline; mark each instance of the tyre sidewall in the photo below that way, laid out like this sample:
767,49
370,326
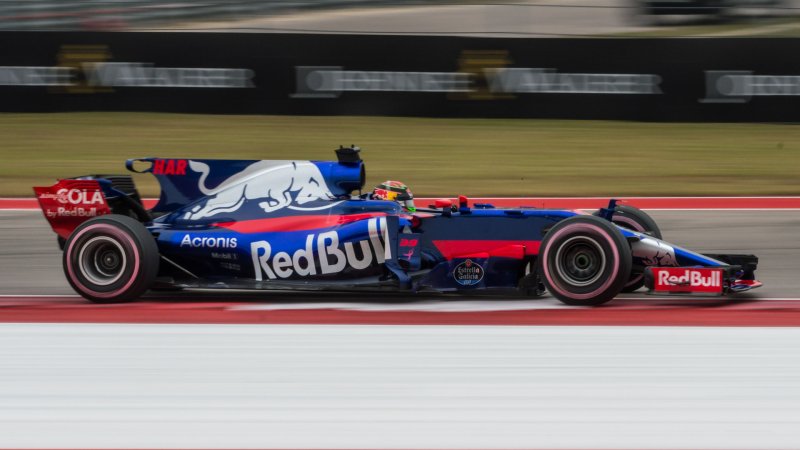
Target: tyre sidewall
637,220
137,247
615,250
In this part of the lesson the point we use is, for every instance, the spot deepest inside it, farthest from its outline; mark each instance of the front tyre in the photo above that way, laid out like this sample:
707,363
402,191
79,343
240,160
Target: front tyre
111,259
584,261
635,219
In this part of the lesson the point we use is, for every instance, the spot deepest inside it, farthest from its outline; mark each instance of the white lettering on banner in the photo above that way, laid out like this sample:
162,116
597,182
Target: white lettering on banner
738,86
690,278
329,256
127,74
360,80
36,76
330,81
146,75
548,81
79,197
208,242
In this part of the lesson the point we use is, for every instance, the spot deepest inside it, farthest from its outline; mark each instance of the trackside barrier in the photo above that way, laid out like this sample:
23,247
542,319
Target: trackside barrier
708,79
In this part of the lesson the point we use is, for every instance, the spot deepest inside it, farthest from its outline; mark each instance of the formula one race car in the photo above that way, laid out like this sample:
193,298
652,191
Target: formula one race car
297,225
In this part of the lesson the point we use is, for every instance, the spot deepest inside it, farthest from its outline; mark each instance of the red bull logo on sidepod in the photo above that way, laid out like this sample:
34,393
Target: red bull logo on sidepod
322,254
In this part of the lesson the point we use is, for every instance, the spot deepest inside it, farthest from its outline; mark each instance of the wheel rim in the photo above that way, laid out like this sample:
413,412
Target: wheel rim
102,260
580,261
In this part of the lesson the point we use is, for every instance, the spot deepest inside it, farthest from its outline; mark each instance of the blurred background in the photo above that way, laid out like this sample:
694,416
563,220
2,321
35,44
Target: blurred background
484,98
521,18
559,97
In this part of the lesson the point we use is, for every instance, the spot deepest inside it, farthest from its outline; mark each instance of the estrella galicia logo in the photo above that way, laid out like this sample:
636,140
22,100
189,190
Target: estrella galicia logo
468,273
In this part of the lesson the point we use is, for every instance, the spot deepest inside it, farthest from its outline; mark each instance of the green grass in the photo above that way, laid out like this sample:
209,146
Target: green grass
689,31
770,27
434,156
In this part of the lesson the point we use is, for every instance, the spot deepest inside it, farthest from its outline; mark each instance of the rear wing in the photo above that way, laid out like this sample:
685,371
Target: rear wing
72,201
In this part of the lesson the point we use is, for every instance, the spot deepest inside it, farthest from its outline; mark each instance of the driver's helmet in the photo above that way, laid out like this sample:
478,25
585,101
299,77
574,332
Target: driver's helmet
396,191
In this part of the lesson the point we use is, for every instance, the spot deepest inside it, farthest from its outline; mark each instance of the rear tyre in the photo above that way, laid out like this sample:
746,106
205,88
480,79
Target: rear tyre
111,259
636,220
584,261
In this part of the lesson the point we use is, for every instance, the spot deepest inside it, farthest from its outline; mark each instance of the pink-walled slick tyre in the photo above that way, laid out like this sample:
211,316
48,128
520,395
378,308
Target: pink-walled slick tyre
584,261
111,259
635,219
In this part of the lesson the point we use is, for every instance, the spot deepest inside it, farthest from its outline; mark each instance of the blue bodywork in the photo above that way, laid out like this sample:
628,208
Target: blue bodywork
303,225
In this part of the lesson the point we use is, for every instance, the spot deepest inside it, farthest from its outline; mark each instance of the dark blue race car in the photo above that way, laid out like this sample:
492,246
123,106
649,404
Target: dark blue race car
305,225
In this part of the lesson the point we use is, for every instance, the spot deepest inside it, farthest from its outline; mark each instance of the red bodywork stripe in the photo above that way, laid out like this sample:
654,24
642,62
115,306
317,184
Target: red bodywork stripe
499,248
295,223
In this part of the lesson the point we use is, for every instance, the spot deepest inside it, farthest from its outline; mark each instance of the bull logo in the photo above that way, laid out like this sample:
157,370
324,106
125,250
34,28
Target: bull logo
284,184
654,252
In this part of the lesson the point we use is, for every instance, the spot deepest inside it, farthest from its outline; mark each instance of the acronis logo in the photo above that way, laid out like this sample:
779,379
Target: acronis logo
208,242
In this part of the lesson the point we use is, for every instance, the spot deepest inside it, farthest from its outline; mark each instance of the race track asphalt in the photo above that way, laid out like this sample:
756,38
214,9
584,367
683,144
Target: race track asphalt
30,262
527,18
374,385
